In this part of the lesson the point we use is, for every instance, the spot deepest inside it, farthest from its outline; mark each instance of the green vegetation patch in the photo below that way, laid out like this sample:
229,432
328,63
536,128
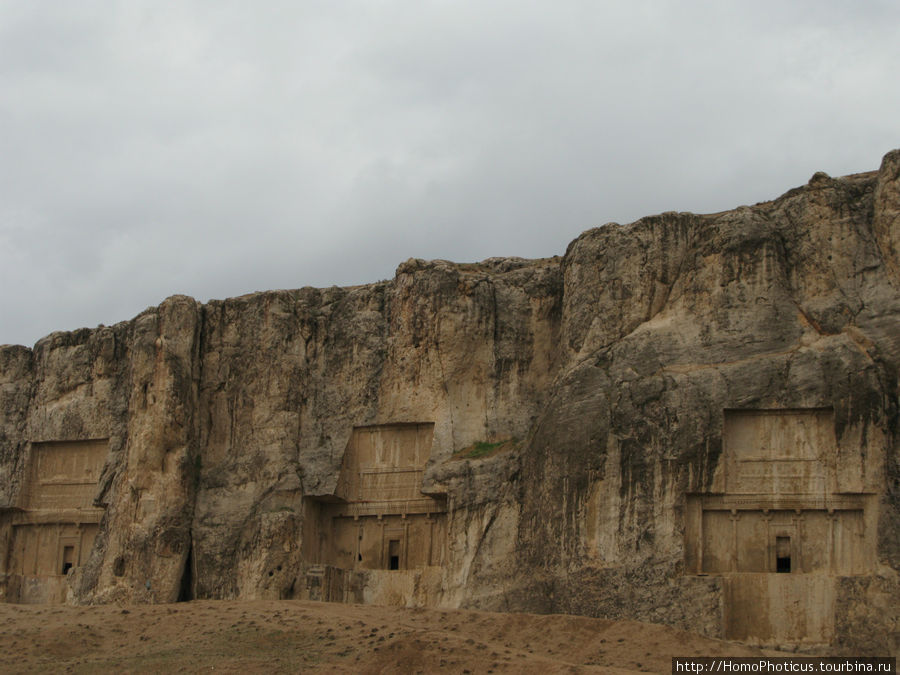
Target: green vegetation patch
481,449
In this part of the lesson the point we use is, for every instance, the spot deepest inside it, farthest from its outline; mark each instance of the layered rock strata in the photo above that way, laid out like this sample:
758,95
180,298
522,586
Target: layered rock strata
699,418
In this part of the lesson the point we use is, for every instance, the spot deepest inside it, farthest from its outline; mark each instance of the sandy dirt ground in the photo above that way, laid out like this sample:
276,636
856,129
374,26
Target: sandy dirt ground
312,637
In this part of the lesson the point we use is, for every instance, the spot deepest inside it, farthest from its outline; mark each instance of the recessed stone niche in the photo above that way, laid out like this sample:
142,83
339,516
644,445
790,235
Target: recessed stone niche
51,529
378,518
777,529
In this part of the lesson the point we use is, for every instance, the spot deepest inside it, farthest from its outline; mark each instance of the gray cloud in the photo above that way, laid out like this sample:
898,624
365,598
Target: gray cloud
214,149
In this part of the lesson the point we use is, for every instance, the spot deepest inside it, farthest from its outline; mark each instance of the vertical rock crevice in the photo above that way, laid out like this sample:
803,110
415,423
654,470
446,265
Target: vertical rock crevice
604,376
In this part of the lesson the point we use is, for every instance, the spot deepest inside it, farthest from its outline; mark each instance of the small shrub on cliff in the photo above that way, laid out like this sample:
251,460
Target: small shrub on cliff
481,449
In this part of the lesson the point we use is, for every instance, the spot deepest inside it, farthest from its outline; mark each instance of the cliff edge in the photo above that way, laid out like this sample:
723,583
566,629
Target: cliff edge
690,420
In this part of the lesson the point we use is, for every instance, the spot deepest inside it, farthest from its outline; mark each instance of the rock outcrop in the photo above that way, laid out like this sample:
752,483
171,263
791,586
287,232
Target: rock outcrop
689,406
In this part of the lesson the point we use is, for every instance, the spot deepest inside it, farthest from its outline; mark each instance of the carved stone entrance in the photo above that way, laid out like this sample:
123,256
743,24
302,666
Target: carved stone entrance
378,518
778,528
52,528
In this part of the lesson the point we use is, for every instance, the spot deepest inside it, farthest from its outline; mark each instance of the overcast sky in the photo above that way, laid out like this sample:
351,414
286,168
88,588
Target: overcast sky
217,148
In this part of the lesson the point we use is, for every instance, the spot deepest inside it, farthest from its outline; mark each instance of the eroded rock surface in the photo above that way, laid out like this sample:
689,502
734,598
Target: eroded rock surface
615,368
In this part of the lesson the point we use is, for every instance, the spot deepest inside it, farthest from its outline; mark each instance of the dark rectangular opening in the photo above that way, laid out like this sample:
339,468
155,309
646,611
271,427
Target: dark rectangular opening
394,554
783,555
186,589
68,561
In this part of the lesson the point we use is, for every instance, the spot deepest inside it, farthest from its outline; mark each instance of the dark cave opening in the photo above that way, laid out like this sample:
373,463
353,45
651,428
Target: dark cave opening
186,589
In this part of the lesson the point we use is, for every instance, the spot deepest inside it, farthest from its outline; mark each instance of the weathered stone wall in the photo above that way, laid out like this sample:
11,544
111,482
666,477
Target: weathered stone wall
611,367
16,383
788,304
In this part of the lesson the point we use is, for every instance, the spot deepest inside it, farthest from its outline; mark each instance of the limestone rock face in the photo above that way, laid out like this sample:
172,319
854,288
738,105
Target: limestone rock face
690,406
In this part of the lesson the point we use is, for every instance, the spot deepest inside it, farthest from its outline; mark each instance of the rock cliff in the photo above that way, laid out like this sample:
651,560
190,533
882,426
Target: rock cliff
652,426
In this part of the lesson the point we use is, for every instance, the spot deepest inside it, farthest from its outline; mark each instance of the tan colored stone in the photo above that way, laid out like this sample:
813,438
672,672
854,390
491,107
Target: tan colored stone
684,392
